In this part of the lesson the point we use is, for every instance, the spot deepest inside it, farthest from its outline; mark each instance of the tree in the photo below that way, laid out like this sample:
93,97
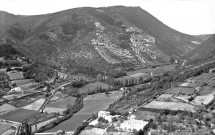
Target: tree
99,78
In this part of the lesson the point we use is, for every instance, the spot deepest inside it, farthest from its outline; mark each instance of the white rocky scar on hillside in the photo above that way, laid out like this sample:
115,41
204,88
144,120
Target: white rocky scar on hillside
142,44
107,49
195,42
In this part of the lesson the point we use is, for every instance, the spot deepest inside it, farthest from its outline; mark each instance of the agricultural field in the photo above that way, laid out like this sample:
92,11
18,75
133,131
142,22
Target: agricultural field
212,84
17,115
58,95
170,106
203,78
93,87
181,91
205,90
6,108
62,103
10,132
5,128
203,100
54,110
29,85
93,131
14,75
96,102
35,105
21,82
12,96
191,85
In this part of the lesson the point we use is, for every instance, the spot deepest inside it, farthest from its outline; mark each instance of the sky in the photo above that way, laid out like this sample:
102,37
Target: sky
187,16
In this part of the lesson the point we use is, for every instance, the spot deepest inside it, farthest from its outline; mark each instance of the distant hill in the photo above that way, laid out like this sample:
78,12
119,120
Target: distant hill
204,52
96,39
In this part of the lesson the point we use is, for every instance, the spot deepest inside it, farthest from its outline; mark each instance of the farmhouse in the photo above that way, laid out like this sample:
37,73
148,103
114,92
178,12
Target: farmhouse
133,124
107,116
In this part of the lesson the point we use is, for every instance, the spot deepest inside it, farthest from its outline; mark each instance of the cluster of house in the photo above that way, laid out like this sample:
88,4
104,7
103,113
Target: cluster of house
127,125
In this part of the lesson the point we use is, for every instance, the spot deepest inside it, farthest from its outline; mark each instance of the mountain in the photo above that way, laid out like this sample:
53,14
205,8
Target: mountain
203,52
95,39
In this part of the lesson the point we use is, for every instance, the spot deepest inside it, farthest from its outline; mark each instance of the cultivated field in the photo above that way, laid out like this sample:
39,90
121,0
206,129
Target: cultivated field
22,82
10,132
4,127
15,75
98,102
203,100
6,108
203,78
29,85
170,106
190,84
205,90
35,105
181,90
58,95
93,131
17,115
62,103
93,87
11,96
212,84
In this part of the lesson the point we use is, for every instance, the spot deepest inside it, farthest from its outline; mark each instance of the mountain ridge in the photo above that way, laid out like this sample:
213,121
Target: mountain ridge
97,38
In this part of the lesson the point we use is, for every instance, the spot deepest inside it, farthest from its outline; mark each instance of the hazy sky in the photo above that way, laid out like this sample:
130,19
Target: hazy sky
187,16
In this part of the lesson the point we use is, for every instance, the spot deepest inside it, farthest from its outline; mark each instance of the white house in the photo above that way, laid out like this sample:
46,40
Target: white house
107,116
133,124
